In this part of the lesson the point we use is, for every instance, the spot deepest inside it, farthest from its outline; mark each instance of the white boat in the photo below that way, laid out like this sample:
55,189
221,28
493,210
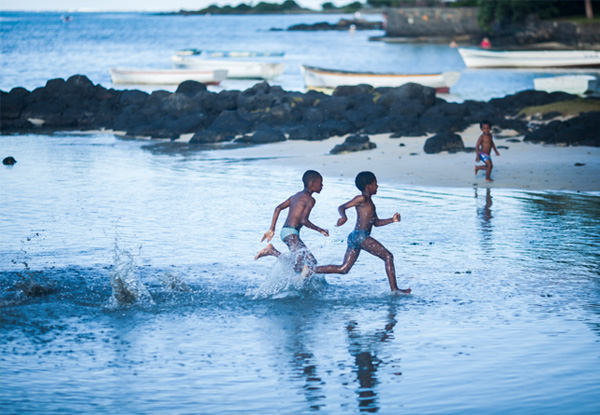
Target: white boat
479,58
166,76
573,84
230,53
330,78
237,69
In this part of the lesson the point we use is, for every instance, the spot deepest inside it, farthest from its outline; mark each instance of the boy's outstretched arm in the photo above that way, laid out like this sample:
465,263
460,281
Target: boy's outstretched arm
269,234
494,147
308,223
383,222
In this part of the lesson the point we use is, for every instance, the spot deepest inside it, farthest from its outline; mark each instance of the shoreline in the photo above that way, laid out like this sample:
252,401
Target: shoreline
523,166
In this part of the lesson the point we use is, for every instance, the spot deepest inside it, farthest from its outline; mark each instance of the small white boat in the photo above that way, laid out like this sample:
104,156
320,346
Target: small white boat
166,76
330,78
230,53
572,84
479,58
237,69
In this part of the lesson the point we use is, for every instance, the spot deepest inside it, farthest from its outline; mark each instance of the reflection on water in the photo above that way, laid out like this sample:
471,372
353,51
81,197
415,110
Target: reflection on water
364,348
485,218
506,287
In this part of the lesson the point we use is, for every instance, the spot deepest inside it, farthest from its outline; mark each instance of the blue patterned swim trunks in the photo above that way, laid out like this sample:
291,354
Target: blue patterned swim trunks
484,156
356,238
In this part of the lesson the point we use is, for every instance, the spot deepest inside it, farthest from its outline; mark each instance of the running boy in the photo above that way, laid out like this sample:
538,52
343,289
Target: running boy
360,239
300,206
483,148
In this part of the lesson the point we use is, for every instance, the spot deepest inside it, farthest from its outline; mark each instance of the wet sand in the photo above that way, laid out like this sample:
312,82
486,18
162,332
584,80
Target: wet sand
519,166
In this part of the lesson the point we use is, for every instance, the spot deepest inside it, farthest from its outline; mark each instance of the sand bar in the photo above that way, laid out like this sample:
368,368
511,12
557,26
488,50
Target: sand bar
520,166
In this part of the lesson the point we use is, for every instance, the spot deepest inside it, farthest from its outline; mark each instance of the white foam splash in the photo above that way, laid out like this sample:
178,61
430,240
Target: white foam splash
284,282
127,289
174,282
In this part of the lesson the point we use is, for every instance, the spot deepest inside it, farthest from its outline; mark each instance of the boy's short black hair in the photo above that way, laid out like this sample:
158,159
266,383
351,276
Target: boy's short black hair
485,122
363,179
309,176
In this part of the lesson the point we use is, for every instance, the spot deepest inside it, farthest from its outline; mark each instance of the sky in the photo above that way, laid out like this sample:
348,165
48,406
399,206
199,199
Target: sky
142,5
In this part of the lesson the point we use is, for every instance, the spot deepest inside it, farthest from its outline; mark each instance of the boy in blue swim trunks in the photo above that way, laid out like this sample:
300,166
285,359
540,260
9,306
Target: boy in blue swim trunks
483,148
360,238
300,206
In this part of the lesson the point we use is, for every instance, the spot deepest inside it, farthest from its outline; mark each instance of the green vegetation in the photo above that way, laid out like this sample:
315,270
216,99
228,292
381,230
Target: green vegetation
493,13
566,108
288,6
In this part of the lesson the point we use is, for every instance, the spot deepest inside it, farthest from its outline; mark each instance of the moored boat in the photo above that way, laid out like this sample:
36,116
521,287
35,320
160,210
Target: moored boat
315,77
166,76
237,69
572,84
230,53
478,58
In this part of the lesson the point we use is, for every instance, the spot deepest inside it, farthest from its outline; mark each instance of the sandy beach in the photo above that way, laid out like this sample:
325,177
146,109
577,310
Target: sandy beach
520,165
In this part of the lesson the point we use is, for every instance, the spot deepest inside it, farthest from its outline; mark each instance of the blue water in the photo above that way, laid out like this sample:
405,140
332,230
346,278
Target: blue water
128,285
37,47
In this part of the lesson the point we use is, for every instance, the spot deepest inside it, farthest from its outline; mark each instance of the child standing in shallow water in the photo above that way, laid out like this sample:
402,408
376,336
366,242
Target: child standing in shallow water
300,206
483,148
360,238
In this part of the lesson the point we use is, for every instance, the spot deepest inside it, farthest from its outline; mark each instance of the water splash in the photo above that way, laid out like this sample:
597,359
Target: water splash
174,282
284,282
127,289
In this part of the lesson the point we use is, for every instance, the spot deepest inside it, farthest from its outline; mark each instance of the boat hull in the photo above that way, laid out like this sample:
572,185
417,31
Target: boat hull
326,78
230,53
166,77
572,84
237,69
476,58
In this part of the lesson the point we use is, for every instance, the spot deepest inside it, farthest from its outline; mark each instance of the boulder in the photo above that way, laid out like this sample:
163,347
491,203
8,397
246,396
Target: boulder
444,142
12,103
310,132
9,161
264,134
444,117
190,88
354,143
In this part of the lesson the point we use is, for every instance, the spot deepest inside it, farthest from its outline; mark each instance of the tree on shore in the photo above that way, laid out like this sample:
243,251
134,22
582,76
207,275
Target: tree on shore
494,13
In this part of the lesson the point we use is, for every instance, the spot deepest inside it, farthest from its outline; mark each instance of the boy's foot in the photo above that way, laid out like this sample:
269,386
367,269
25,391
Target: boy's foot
476,170
266,251
489,180
399,291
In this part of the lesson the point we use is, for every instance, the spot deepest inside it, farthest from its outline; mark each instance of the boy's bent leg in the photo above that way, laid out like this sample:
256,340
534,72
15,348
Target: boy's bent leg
488,171
349,259
374,247
301,252
267,251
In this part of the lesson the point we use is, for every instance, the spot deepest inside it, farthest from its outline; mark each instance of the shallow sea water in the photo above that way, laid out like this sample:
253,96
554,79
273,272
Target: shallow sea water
128,285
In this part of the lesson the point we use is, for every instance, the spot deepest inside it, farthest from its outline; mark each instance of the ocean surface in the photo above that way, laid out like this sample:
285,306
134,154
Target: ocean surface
128,282
128,285
37,47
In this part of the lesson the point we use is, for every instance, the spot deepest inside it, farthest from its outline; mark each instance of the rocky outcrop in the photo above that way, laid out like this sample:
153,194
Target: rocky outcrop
343,24
259,114
582,130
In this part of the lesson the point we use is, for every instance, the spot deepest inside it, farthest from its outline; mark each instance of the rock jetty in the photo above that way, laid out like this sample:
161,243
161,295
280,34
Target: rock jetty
260,114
